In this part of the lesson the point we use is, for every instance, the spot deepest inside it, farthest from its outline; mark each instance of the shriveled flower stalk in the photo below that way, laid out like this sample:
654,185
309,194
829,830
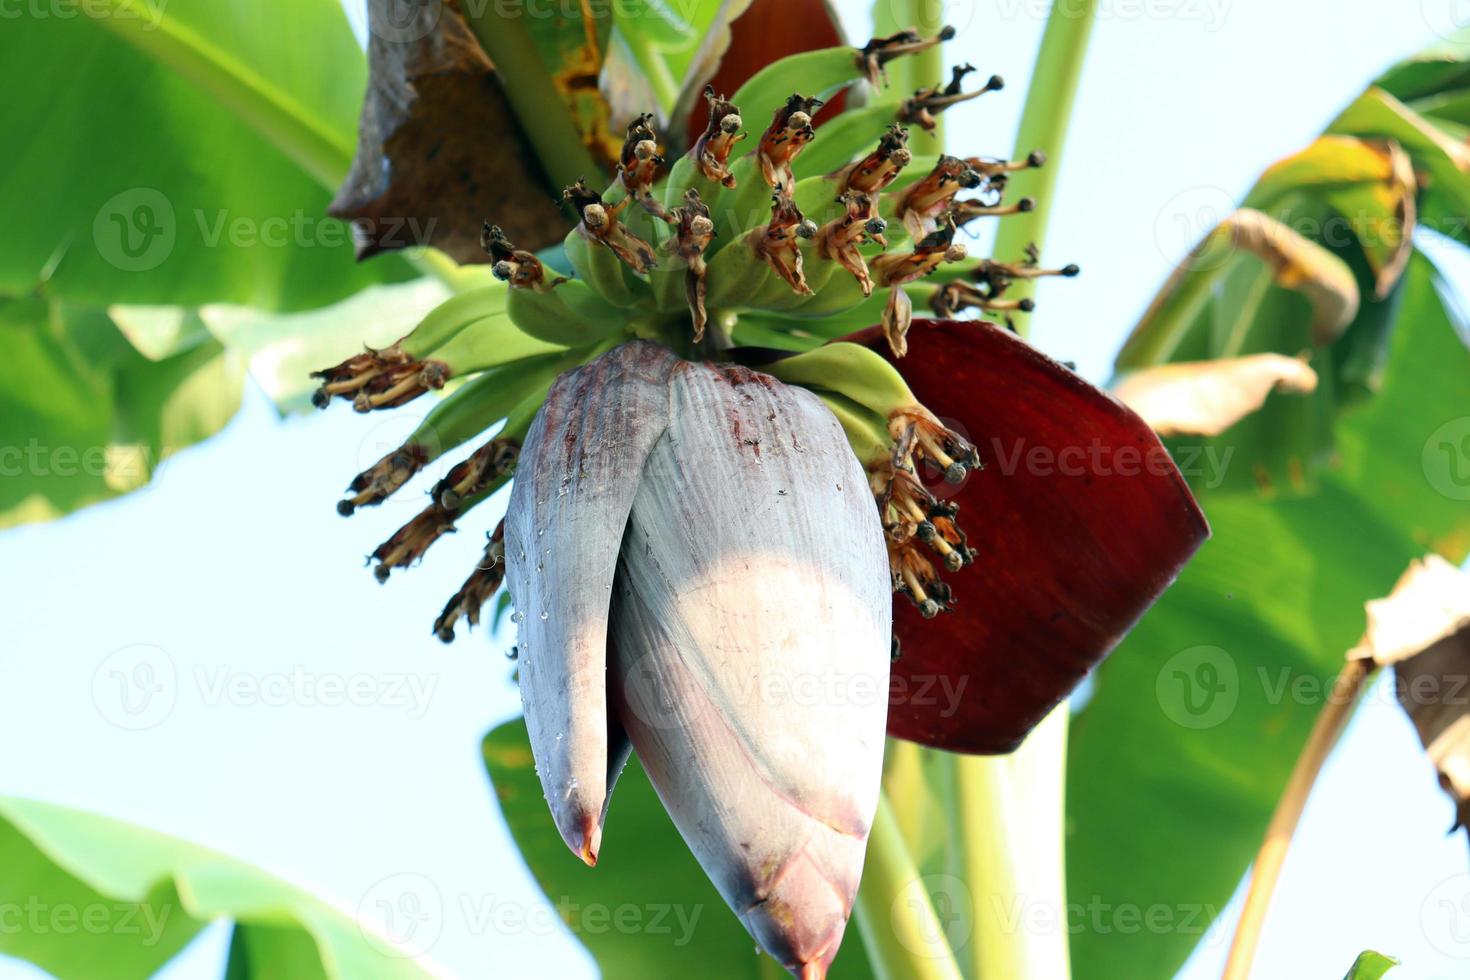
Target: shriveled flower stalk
714,506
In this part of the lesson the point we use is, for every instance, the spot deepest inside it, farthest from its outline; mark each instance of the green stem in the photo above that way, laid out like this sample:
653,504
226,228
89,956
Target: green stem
288,126
903,935
1043,127
1010,817
646,56
533,95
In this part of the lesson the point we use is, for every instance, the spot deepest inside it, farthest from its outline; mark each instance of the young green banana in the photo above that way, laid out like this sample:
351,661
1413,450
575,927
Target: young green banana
572,314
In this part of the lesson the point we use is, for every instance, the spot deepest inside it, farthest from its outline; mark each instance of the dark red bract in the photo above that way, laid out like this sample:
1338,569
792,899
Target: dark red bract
1081,520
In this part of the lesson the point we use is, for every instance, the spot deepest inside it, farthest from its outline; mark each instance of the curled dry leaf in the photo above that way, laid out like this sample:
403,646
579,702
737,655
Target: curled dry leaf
1371,183
438,145
1299,264
1204,398
1423,631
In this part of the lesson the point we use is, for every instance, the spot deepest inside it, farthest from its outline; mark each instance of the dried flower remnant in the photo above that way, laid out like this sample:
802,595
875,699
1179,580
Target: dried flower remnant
638,165
711,152
477,590
874,172
376,379
925,204
474,475
968,210
913,519
992,280
600,224
789,133
412,541
898,316
384,478
927,104
486,468
693,231
514,265
936,248
778,241
873,57
840,238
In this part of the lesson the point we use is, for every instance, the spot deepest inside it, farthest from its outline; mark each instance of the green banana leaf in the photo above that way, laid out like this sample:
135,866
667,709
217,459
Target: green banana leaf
85,417
1370,966
676,922
1198,717
104,898
200,142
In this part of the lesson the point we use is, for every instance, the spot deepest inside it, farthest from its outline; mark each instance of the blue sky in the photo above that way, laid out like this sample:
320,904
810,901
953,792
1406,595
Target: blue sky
233,577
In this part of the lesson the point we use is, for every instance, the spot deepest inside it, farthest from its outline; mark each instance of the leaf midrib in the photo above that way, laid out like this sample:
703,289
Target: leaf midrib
282,121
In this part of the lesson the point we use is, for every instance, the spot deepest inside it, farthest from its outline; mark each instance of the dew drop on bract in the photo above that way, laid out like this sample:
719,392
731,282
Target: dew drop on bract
545,615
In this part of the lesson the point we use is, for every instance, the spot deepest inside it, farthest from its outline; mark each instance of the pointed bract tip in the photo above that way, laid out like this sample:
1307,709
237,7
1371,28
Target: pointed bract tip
591,843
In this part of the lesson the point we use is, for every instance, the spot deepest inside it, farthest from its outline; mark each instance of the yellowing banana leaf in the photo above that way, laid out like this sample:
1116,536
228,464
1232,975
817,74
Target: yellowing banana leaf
1369,184
121,901
1441,158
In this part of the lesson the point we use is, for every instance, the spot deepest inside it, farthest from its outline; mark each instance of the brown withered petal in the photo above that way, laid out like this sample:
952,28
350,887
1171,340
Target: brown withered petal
1423,630
1081,521
438,145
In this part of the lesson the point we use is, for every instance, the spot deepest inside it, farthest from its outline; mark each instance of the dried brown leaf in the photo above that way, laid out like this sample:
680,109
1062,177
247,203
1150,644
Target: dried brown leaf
439,149
1204,398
